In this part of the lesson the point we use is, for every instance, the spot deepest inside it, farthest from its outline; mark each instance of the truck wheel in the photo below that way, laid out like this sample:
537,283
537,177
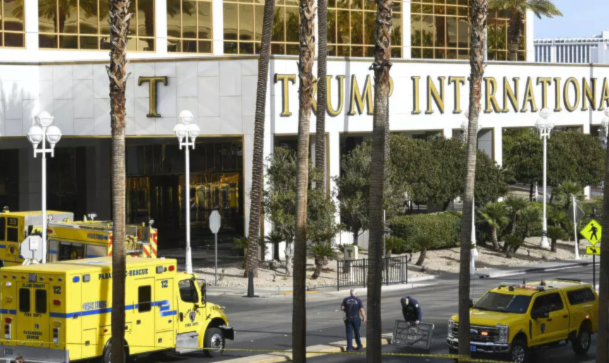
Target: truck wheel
520,352
107,356
214,342
581,343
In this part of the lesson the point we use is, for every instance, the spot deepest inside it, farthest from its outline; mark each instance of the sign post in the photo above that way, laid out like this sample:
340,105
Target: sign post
593,232
214,226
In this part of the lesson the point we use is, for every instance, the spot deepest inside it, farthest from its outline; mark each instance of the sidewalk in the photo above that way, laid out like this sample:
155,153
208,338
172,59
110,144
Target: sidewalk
414,282
540,267
331,348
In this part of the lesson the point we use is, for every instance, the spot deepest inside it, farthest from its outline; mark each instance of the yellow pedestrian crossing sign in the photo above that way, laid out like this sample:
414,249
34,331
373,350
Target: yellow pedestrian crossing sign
593,250
592,232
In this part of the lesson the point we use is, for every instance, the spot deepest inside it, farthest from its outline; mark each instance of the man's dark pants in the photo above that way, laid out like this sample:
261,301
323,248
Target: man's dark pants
353,325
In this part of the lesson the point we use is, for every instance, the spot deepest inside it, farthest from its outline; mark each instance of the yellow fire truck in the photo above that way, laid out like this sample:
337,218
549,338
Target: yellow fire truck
15,227
68,239
90,239
61,312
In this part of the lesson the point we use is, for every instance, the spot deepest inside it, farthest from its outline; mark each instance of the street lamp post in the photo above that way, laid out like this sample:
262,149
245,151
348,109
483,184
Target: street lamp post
186,134
544,127
474,251
43,131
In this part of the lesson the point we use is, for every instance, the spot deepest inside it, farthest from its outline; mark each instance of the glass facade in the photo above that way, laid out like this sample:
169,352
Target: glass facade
351,28
498,39
155,186
189,26
83,24
243,27
440,30
12,31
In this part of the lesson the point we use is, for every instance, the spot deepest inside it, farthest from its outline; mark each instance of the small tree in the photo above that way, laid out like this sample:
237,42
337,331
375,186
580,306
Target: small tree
565,192
422,241
280,203
554,234
514,205
495,215
513,242
322,253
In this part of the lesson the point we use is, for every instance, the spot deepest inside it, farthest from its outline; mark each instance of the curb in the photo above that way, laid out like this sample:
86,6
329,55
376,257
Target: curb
319,350
536,269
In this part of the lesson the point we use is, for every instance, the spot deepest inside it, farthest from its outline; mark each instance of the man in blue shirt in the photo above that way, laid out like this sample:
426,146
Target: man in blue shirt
411,310
353,308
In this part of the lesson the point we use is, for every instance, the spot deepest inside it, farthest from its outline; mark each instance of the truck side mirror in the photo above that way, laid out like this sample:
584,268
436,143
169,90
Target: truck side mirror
543,313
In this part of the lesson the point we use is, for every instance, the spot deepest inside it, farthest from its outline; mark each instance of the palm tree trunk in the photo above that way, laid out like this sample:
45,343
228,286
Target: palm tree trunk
320,130
305,71
602,350
531,192
253,235
381,67
355,238
117,72
422,256
288,258
495,239
478,25
514,33
318,267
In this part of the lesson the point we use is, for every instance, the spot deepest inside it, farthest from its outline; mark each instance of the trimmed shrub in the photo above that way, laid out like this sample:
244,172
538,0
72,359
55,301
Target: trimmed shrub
443,227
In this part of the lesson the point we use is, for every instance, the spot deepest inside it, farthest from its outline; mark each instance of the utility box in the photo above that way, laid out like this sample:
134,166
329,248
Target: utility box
351,253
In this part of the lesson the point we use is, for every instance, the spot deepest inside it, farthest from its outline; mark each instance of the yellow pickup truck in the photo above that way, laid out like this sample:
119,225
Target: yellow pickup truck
519,319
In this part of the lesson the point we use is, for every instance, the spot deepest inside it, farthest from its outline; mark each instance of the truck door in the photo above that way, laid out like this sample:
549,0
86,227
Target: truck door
559,315
143,321
164,312
14,237
190,313
33,313
3,253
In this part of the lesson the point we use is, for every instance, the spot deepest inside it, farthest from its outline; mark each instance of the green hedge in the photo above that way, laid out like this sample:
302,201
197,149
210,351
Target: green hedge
444,227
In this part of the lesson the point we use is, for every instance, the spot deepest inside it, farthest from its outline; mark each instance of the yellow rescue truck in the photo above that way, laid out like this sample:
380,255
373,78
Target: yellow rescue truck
15,227
74,240
61,312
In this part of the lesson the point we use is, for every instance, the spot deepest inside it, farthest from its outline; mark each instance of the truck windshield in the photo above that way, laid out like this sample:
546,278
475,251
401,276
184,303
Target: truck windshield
505,303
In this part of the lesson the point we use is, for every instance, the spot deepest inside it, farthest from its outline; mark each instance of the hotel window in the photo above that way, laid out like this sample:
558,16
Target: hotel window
440,30
243,27
351,26
189,26
83,24
12,31
498,37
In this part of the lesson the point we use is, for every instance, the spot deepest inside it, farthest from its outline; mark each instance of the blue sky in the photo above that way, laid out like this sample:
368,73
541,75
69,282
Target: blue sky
582,18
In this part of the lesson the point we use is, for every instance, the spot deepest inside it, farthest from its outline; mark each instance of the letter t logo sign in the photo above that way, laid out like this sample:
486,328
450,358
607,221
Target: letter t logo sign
152,92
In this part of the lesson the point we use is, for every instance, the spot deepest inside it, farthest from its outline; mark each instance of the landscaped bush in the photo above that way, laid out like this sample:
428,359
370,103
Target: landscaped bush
443,228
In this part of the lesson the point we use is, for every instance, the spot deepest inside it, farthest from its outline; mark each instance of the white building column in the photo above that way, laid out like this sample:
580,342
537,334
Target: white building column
160,19
498,145
31,25
406,29
530,38
218,27
333,150
448,133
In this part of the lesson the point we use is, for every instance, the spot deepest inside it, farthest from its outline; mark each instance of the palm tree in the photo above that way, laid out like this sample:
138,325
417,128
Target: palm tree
495,215
305,71
566,191
479,11
117,72
381,67
322,252
518,9
554,234
320,130
514,205
258,160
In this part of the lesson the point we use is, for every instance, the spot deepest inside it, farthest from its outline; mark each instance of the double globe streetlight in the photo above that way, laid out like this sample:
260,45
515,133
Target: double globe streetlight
41,132
187,132
474,251
544,127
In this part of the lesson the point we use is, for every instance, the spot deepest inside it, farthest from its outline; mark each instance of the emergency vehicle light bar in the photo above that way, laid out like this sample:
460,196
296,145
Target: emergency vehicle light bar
521,286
